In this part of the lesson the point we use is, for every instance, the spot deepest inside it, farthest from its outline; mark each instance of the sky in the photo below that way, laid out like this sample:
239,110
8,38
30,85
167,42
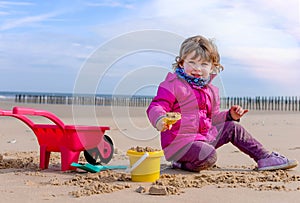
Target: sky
127,47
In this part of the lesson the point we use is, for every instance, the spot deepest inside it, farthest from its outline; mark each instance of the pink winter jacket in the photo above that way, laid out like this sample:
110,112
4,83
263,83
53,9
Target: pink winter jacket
199,108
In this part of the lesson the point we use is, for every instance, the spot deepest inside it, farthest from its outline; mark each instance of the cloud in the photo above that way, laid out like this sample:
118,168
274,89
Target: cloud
110,3
43,52
262,37
5,4
25,21
3,13
259,37
9,8
272,64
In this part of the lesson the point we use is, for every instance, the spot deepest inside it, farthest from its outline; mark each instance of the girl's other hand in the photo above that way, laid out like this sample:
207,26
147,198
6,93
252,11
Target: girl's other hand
162,126
237,112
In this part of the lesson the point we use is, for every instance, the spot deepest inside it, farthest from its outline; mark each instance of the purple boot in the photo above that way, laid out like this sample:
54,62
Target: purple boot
275,161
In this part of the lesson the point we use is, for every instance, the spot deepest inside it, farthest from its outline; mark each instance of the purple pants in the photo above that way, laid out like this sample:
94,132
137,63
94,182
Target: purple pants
201,155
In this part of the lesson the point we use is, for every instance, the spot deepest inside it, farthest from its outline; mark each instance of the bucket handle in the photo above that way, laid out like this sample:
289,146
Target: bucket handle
137,163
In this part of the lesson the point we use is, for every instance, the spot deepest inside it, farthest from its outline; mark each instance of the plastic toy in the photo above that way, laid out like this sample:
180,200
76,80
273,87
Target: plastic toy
172,117
96,168
69,140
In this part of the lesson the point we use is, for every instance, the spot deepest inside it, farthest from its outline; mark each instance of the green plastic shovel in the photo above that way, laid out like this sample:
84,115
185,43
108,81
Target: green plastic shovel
96,168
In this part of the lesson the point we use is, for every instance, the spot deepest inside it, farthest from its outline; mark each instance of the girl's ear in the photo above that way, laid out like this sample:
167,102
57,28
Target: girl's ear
213,70
180,63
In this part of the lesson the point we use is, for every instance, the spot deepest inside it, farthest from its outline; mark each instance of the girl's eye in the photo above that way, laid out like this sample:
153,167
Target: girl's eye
191,62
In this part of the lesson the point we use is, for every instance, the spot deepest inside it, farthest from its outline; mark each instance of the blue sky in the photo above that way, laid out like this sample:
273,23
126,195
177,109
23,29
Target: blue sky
45,46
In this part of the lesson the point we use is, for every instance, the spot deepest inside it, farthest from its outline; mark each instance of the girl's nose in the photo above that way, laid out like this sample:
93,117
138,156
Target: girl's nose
197,67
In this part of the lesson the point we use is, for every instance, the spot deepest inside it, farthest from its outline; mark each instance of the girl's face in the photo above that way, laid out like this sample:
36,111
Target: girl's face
196,67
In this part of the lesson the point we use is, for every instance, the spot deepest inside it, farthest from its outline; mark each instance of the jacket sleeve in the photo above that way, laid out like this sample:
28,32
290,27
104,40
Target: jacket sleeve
217,115
163,102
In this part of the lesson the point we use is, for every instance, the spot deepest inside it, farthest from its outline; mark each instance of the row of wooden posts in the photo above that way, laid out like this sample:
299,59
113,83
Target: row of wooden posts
279,103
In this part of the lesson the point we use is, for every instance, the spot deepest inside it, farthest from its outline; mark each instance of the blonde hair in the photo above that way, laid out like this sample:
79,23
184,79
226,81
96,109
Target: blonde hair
205,48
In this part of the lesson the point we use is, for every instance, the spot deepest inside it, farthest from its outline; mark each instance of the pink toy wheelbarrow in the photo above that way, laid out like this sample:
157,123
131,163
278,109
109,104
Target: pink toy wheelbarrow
69,140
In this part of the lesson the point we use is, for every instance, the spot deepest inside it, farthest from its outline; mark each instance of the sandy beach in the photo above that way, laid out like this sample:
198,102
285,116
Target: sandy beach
231,180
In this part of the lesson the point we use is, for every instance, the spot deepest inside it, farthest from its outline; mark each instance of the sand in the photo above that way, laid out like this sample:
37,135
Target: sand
232,179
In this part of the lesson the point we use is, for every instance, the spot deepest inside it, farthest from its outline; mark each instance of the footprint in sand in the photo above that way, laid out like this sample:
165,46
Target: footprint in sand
294,148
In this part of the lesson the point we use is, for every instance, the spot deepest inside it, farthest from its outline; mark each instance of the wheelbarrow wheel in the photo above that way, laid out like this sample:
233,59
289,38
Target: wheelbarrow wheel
92,155
106,160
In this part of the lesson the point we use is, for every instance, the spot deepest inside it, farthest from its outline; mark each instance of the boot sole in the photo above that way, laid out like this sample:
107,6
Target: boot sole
289,165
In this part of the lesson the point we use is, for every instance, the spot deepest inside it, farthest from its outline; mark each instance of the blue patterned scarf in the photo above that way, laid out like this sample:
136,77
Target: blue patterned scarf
200,82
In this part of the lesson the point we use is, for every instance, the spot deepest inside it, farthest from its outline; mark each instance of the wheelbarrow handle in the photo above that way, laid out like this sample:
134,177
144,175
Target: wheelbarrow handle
18,116
35,112
5,112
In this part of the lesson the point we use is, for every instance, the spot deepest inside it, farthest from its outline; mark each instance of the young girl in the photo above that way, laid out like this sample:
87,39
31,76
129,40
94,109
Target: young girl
191,142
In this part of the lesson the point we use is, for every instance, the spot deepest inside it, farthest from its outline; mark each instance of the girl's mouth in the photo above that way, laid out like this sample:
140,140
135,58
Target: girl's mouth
197,75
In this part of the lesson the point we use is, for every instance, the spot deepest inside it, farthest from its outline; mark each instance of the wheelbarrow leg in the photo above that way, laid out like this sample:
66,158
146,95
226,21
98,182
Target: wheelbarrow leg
44,157
67,158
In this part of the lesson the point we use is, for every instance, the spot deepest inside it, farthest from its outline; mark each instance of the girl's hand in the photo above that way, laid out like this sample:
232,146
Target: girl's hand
237,112
162,126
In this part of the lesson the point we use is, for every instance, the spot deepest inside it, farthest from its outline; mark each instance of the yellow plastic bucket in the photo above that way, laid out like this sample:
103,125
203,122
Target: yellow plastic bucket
148,170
